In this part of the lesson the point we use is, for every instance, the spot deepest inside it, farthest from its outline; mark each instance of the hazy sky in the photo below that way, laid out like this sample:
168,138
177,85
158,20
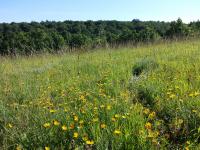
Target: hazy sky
59,10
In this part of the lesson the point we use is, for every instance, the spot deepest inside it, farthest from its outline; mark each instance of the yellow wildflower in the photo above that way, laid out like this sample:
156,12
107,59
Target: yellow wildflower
194,111
47,125
150,134
124,117
85,138
156,133
148,125
146,111
168,93
83,111
75,135
10,125
179,121
18,147
64,127
141,131
188,142
191,95
82,97
108,107
76,118
172,96
52,111
152,115
117,116
56,123
196,93
117,132
89,142
177,87
47,148
103,126
102,106
113,119
95,120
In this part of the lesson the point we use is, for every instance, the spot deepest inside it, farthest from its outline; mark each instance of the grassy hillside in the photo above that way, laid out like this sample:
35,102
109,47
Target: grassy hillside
141,98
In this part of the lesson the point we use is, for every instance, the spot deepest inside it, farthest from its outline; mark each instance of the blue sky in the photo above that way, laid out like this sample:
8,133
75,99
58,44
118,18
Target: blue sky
59,10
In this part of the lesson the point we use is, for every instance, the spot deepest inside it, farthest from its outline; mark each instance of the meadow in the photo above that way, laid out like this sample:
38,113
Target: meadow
128,98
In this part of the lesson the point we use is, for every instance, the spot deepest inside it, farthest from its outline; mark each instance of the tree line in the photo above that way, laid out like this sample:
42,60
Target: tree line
50,36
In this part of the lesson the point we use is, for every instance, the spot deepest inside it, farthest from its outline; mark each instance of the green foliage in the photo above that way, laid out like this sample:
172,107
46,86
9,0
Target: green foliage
79,41
178,29
144,65
58,41
29,38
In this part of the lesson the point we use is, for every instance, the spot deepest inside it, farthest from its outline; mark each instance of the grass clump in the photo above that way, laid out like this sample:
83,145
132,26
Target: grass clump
143,66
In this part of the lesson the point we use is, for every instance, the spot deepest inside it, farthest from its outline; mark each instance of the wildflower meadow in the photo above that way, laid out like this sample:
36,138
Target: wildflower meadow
146,97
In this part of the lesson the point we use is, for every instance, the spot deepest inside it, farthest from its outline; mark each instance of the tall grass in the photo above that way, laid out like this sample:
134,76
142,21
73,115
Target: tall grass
96,100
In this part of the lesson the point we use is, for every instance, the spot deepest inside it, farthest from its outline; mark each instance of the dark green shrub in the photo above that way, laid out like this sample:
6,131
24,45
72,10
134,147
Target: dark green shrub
146,65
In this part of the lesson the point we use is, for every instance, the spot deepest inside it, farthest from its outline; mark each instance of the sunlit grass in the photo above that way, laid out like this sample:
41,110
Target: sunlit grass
93,101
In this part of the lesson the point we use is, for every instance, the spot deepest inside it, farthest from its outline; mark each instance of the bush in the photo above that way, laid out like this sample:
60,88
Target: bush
144,65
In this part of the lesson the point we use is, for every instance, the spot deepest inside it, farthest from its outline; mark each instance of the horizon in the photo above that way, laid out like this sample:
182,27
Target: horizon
77,10
97,21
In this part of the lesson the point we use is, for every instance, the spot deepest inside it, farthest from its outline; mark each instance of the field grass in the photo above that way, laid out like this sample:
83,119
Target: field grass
140,98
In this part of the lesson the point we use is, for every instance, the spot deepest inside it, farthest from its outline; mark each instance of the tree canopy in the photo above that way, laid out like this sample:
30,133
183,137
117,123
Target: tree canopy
34,37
